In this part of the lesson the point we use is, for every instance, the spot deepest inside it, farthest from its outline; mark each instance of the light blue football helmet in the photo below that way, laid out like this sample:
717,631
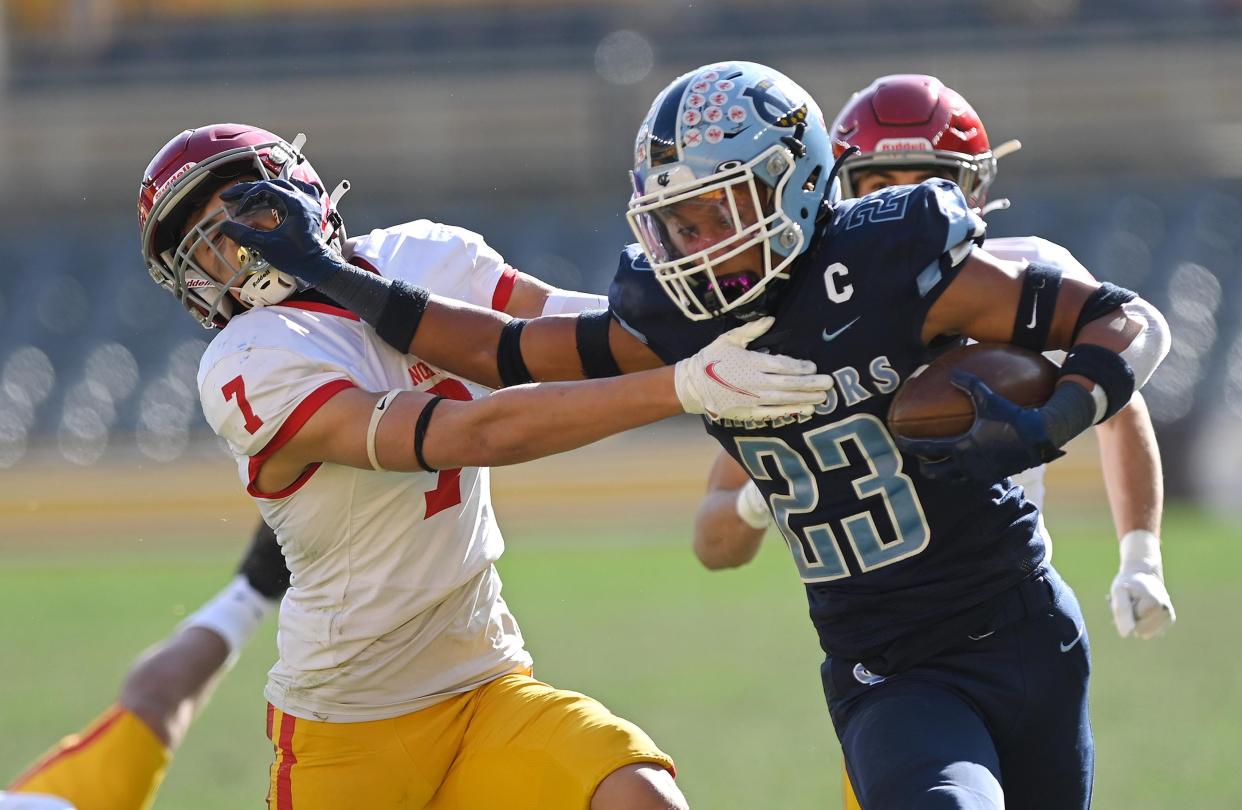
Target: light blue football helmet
743,136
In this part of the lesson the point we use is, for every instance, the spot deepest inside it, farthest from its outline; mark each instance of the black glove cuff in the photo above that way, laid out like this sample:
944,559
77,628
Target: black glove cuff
1069,411
403,310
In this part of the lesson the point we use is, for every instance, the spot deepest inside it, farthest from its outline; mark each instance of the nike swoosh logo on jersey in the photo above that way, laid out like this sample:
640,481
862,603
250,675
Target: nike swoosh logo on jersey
710,371
1067,647
827,336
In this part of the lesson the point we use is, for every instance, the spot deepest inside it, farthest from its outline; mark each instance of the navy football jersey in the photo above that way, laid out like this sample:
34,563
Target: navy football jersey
885,553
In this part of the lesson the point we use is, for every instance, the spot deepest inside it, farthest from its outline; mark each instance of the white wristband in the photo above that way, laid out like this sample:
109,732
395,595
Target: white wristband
1141,545
752,507
381,408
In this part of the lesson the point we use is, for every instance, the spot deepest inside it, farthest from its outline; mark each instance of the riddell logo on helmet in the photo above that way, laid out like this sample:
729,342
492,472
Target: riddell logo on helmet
903,145
167,184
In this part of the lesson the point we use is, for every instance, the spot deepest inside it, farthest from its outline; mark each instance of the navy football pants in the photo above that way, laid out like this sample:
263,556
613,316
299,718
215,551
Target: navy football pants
993,722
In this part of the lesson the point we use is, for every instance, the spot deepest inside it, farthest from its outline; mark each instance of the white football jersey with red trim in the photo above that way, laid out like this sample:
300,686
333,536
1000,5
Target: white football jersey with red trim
394,603
1035,249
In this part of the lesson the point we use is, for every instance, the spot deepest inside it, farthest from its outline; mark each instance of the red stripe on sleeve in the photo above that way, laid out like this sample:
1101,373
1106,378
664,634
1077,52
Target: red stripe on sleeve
358,261
303,412
504,288
284,785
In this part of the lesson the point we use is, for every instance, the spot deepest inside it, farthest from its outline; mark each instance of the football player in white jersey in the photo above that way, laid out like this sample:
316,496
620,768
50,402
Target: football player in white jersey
119,760
402,679
910,128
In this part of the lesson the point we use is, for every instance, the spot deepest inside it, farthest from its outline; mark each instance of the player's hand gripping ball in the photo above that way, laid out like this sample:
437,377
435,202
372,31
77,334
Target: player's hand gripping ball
973,412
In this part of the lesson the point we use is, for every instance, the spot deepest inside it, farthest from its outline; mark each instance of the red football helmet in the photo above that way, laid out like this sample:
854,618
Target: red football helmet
182,176
908,121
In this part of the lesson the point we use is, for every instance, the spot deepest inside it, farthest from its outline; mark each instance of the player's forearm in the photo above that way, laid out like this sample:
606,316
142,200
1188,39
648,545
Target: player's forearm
461,339
527,422
721,538
1133,477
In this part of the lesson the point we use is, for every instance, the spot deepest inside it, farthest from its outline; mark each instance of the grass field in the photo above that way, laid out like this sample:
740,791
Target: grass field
720,668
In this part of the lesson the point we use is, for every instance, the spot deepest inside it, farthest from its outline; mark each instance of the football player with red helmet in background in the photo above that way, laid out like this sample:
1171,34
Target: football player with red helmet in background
910,128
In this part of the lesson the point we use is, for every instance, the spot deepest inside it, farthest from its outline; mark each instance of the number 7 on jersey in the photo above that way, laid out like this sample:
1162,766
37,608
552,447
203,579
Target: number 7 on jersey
236,389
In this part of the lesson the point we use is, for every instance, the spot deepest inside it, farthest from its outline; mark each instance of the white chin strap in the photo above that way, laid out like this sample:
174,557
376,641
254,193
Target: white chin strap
267,286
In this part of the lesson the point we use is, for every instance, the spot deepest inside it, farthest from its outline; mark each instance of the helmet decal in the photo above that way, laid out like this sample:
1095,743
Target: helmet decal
663,130
773,107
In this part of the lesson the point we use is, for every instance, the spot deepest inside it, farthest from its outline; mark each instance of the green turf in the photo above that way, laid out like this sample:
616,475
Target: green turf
720,668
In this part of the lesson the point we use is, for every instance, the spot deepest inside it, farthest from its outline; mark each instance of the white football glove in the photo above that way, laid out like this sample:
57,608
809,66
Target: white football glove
726,381
1140,601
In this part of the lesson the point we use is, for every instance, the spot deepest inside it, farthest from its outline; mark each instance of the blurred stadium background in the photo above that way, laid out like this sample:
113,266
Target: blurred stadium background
119,511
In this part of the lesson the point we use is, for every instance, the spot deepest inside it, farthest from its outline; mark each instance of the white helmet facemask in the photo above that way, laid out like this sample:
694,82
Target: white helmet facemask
741,203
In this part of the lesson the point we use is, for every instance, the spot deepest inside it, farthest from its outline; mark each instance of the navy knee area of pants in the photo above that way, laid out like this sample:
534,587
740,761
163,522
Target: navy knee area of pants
998,719
919,745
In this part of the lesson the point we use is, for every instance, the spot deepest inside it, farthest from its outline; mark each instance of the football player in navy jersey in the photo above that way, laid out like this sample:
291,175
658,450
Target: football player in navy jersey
956,660
911,128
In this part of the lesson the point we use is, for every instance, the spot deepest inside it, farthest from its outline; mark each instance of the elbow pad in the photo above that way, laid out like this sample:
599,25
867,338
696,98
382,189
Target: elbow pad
1118,375
1150,346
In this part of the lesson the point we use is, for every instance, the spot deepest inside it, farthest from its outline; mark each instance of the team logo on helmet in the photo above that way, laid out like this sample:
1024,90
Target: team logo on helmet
171,181
773,106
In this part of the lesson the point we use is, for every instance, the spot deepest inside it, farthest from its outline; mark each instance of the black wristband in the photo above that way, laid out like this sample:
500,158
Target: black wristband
402,312
1105,368
420,432
1069,411
594,349
509,360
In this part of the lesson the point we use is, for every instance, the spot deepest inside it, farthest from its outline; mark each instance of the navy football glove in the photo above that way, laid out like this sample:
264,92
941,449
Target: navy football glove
296,246
1005,438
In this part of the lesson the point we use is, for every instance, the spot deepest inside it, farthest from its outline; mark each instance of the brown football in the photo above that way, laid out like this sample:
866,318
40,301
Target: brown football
928,405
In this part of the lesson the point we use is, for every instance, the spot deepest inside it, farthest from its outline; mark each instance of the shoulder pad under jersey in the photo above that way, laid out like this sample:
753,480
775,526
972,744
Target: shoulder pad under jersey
639,304
907,238
450,261
264,365
1037,249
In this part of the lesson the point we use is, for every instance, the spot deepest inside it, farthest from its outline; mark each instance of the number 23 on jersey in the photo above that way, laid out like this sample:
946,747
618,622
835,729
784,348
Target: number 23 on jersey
817,548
